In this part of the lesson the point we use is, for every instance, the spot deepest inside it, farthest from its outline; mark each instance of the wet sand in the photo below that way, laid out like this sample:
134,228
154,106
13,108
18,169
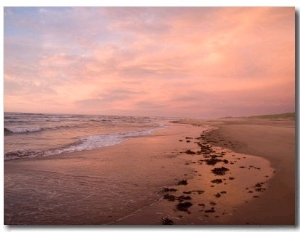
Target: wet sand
260,188
275,141
94,187
241,173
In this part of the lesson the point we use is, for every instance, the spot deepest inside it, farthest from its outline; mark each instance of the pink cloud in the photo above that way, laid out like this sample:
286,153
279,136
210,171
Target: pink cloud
168,61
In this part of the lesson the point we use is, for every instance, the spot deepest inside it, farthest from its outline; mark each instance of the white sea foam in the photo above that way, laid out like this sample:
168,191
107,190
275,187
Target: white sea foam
84,143
97,141
29,135
23,129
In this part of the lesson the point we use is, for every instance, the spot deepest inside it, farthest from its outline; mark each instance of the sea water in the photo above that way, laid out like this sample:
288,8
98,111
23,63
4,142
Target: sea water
29,135
85,177
78,183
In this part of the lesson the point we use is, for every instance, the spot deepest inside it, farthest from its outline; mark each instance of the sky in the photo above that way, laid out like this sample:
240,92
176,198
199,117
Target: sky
200,62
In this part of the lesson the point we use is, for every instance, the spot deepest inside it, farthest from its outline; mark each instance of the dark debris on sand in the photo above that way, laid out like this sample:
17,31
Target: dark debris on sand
182,182
259,187
210,157
183,206
212,210
212,161
193,191
190,152
220,171
166,221
169,190
188,137
217,181
181,198
169,197
205,149
218,195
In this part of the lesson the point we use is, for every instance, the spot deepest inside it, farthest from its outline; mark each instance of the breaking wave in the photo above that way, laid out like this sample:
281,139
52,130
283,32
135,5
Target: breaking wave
21,130
84,143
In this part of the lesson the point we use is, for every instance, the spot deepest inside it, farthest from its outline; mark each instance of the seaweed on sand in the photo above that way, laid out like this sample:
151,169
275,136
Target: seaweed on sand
220,171
183,206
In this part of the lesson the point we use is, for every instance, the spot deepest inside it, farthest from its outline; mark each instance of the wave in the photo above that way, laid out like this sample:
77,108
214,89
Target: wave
11,155
95,141
40,118
84,143
21,130
15,129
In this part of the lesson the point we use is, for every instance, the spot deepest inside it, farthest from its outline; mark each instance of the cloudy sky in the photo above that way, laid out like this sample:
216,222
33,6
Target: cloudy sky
185,62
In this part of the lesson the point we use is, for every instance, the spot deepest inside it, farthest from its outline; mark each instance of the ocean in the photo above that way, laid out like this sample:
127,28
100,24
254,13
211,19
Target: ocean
95,170
88,170
29,135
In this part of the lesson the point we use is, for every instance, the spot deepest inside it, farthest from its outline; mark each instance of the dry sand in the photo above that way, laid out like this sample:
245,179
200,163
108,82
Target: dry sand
259,153
275,141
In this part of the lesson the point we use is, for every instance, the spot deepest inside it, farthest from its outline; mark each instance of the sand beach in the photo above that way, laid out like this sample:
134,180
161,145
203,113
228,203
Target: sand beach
270,139
150,115
237,171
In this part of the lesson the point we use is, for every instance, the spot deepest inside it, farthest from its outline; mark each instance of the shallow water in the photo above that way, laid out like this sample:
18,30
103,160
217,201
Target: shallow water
31,135
97,186
123,184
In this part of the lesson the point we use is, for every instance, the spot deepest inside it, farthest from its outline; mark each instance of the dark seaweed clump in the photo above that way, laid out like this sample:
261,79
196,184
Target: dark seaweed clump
169,190
205,149
173,198
217,181
167,221
182,182
220,171
183,198
190,152
169,197
183,206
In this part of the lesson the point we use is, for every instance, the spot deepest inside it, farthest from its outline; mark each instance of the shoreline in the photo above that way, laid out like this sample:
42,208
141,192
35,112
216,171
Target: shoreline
166,148
210,198
104,180
274,141
276,205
